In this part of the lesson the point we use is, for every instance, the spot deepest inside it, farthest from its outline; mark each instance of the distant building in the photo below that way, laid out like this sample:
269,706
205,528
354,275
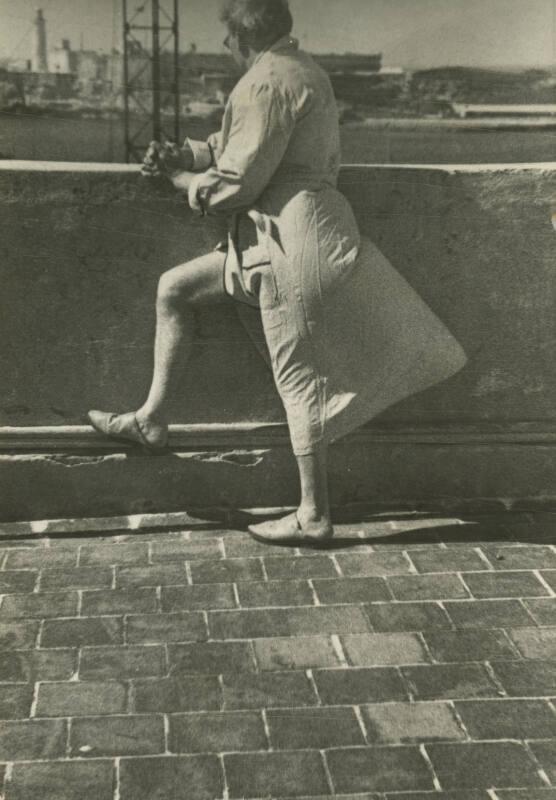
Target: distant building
89,77
39,62
62,59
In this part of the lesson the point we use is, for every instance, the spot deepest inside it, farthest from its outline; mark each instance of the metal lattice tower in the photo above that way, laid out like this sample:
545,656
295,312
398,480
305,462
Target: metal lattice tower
150,75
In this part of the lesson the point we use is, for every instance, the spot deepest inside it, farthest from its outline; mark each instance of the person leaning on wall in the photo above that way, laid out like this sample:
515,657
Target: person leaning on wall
346,335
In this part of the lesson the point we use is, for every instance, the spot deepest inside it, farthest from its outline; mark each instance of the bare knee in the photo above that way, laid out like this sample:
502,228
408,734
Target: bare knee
173,291
196,283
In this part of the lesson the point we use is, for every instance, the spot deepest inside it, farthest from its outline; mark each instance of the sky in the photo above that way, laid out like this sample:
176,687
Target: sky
409,33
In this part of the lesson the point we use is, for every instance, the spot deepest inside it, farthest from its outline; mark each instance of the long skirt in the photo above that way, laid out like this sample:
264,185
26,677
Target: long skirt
342,352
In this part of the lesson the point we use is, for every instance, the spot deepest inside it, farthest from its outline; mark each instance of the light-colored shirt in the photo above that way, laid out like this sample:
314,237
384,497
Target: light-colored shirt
280,125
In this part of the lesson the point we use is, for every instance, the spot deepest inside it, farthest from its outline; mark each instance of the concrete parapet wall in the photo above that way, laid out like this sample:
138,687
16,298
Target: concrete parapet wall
82,248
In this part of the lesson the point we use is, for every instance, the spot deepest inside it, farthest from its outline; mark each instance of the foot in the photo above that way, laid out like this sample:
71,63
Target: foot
130,427
291,530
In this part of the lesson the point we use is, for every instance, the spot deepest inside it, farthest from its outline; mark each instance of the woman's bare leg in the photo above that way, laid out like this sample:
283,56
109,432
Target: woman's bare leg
180,291
314,508
311,522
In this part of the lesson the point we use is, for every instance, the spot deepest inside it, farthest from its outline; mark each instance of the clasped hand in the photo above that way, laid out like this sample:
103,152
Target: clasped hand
166,159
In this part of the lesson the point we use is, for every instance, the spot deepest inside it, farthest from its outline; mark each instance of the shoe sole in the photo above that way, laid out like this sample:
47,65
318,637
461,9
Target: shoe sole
294,541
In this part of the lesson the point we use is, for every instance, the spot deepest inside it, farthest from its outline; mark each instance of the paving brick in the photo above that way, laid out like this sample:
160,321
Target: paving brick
181,626
537,643
295,567
229,570
158,575
178,693
550,577
301,652
275,774
202,597
263,594
8,543
488,614
18,635
76,699
241,545
29,740
12,582
192,777
504,584
469,645
545,752
383,649
217,733
449,681
351,590
81,631
161,536
483,765
543,610
41,605
469,794
530,557
78,578
378,769
527,678
427,587
113,663
406,617
313,728
40,557
15,701
267,690
526,794
387,563
62,780
409,723
355,686
507,719
29,666
183,550
136,553
256,624
453,560
211,657
119,601
117,736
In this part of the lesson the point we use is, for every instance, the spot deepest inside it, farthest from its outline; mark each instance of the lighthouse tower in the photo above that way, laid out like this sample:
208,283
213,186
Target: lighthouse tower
39,61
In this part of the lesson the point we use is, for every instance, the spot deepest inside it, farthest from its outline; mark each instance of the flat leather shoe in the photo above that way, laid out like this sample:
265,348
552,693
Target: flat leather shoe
289,531
128,428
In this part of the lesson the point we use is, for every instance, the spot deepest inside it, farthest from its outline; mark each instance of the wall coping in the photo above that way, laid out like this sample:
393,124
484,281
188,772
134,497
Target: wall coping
9,165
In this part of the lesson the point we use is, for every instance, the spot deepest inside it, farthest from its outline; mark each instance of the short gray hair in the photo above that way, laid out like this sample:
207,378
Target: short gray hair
257,23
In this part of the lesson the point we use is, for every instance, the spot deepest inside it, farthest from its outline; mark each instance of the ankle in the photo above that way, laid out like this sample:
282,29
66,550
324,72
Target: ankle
149,417
311,514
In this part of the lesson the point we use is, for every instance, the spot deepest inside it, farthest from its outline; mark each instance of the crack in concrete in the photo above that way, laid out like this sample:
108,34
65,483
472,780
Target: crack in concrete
237,458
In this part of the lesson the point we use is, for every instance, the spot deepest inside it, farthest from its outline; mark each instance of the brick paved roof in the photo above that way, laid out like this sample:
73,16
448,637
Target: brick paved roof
413,660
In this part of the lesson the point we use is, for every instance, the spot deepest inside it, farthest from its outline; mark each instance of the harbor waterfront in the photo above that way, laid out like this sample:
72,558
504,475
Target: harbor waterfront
375,141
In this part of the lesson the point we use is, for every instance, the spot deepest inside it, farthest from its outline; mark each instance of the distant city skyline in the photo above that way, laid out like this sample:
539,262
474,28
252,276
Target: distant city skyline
409,33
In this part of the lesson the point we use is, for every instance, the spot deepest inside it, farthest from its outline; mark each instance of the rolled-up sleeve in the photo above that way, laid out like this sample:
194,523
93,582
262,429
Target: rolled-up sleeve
206,153
261,127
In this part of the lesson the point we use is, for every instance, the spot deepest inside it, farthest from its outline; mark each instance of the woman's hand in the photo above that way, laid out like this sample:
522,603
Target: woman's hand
166,159
175,159
150,168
